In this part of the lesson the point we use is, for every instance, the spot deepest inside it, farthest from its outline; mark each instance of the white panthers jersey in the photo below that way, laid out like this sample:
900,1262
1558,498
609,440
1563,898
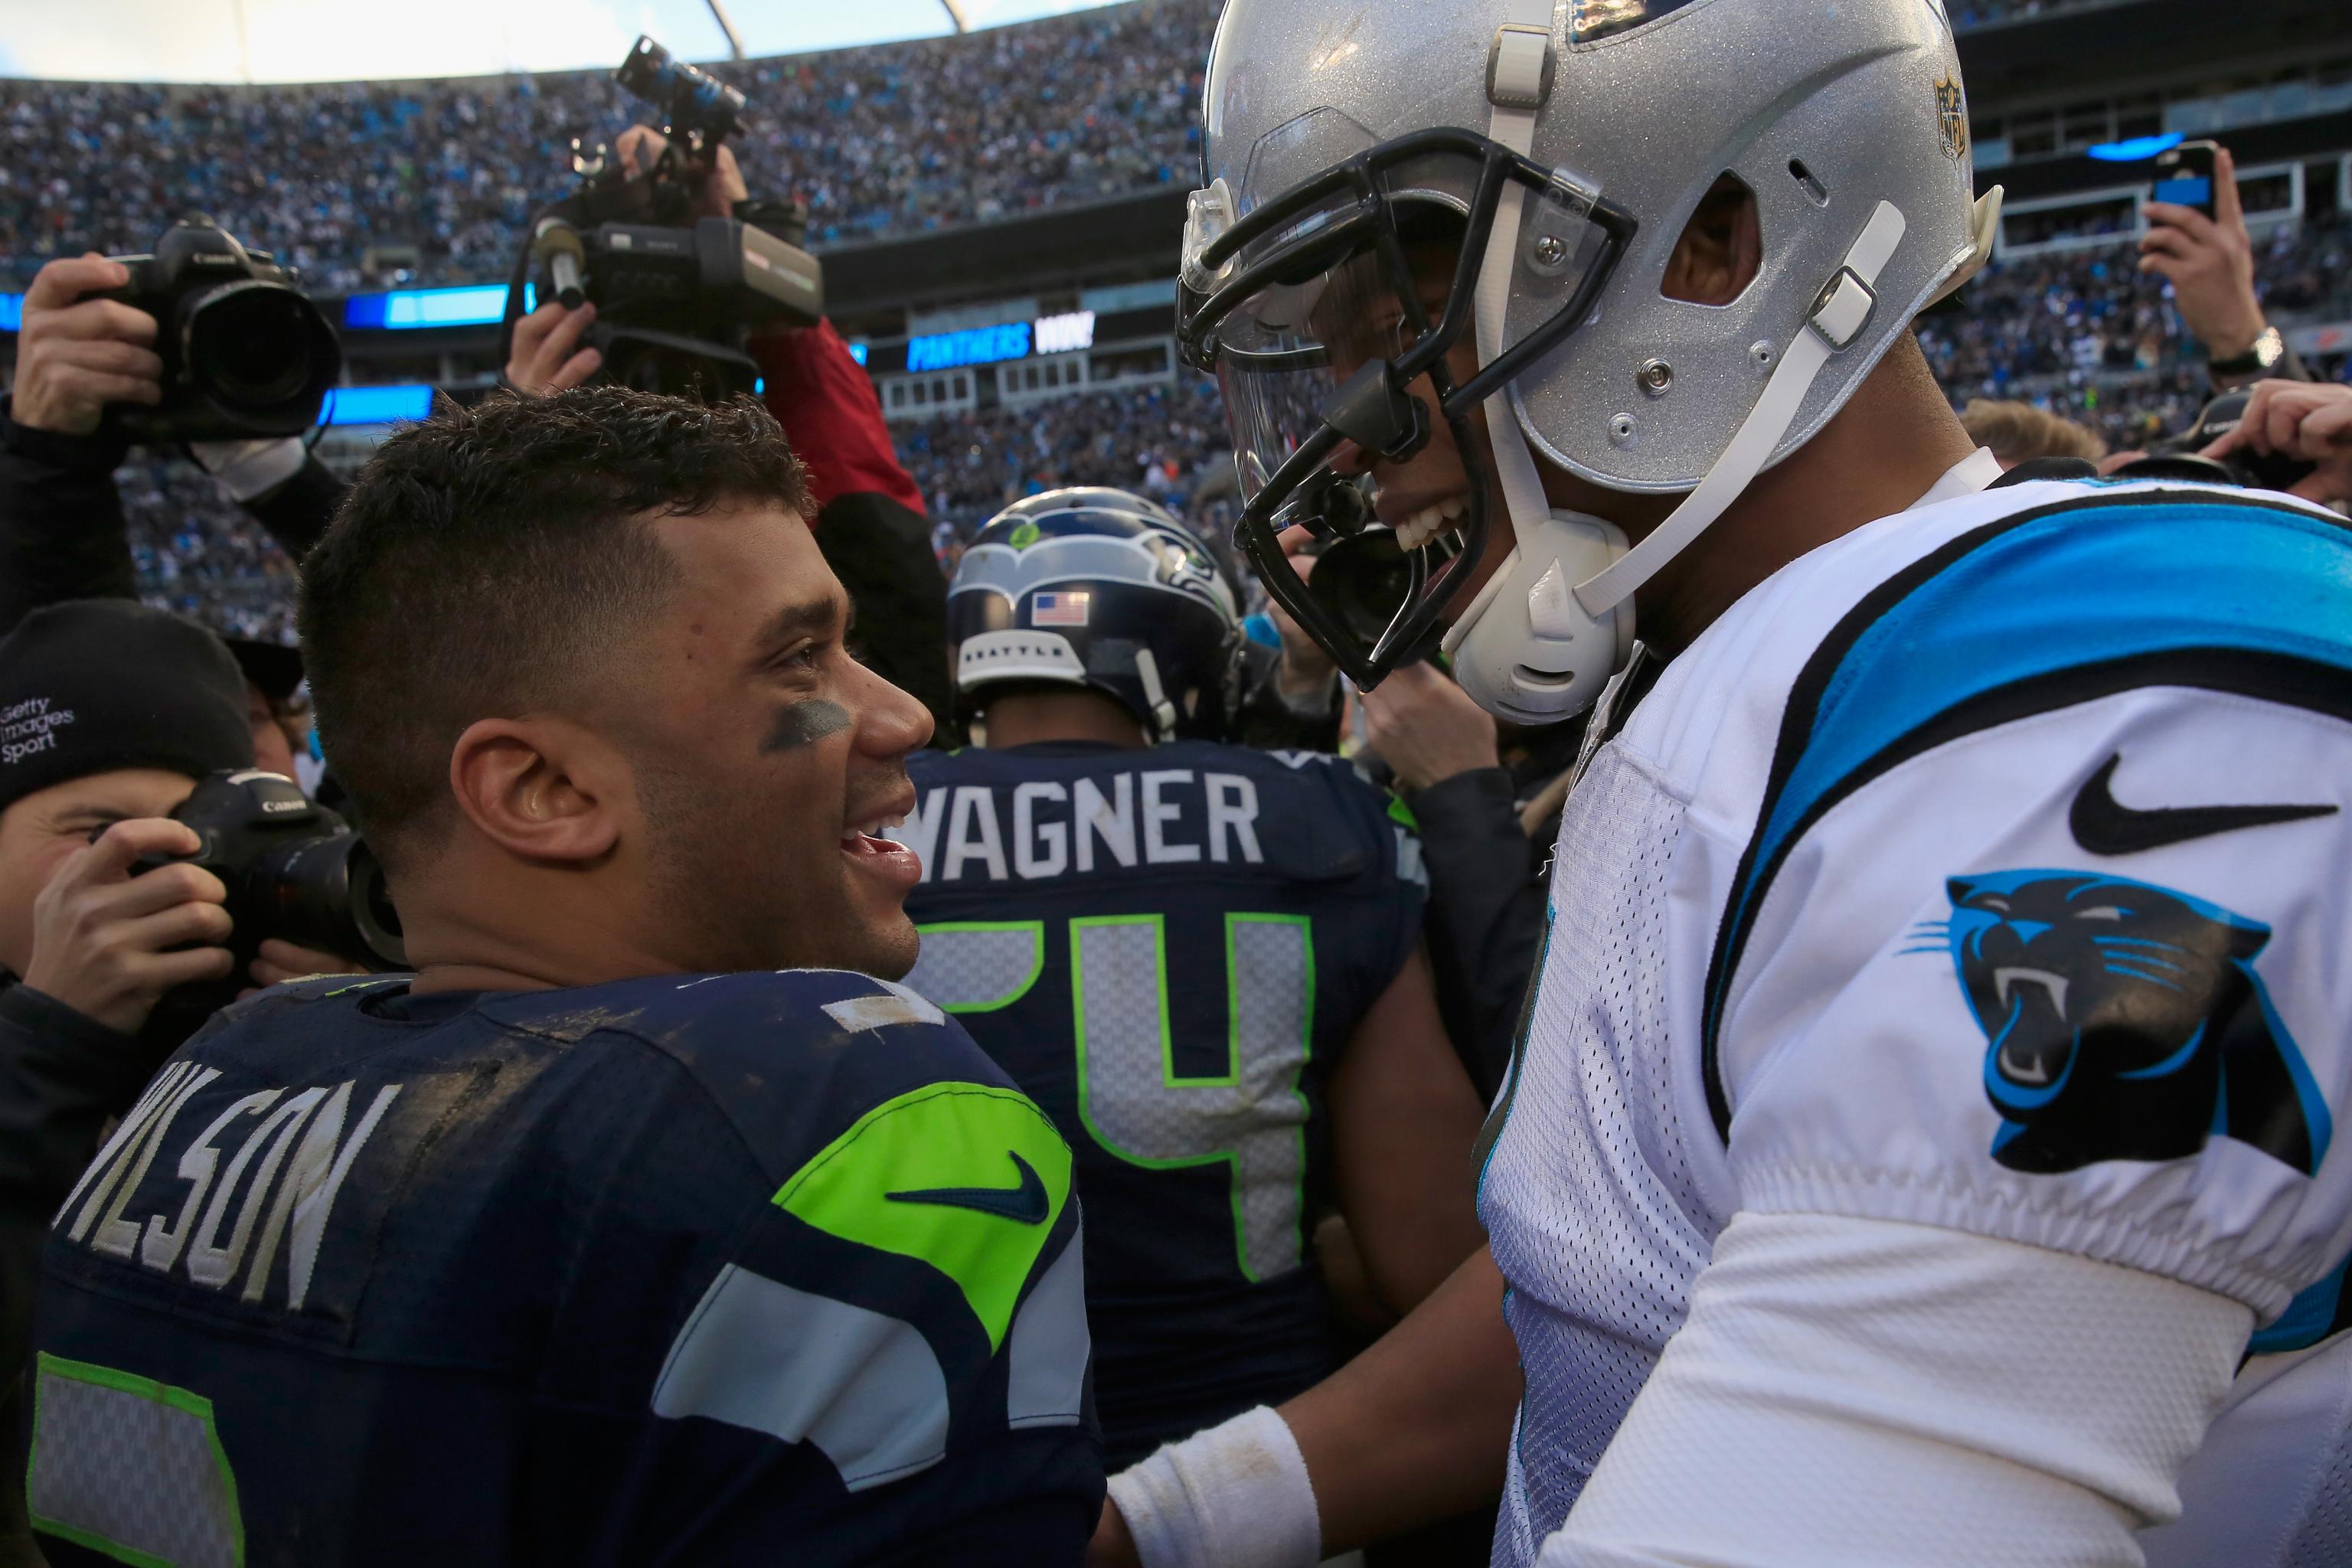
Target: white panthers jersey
1986,868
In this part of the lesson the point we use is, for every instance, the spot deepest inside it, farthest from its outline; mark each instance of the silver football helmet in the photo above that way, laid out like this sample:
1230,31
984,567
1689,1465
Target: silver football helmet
1559,147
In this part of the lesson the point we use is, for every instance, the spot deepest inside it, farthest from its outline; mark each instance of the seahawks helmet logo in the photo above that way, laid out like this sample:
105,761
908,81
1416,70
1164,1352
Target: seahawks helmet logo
2123,1021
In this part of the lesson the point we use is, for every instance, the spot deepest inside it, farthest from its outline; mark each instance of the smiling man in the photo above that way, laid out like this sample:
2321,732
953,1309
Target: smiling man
642,1224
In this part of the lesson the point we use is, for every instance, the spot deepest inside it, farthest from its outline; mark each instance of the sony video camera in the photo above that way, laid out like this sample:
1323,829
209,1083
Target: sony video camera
2182,457
245,353
293,872
678,295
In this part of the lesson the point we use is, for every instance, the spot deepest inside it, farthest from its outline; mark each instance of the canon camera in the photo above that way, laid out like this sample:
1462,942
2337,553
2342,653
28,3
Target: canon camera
2182,457
245,353
293,872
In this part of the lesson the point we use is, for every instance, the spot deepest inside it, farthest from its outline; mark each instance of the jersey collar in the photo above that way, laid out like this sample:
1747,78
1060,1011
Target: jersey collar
1966,477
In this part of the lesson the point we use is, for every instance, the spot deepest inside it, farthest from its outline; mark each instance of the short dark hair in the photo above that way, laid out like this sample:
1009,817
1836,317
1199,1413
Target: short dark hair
486,560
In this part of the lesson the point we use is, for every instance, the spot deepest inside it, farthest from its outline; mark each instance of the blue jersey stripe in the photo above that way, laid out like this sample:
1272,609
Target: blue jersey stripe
2041,610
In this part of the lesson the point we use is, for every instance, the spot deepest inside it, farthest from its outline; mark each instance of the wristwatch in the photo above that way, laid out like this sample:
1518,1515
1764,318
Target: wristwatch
2268,349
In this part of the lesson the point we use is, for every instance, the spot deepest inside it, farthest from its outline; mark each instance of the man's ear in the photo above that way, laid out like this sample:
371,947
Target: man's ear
1720,250
539,788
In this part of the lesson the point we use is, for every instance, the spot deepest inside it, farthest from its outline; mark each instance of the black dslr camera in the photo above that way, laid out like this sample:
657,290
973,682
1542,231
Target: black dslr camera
678,296
2182,457
245,353
1361,576
293,870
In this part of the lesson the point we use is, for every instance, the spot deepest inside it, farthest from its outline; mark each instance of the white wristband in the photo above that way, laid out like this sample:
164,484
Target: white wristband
1235,1496
250,468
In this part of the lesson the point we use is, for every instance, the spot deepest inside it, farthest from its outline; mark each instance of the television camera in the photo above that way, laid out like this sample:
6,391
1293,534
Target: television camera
677,293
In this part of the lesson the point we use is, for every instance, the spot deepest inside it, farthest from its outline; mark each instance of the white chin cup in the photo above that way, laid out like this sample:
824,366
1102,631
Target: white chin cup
1526,649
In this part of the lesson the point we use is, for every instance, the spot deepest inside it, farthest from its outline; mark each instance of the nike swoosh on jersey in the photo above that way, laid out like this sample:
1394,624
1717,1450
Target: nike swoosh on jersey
1026,1203
2103,826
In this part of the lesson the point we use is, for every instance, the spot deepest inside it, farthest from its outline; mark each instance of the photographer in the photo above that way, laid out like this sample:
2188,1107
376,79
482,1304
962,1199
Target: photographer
109,714
62,530
2210,261
868,513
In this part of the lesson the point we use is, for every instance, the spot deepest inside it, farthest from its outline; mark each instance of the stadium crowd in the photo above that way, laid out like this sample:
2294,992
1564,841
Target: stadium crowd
655,1125
887,139
2083,334
440,175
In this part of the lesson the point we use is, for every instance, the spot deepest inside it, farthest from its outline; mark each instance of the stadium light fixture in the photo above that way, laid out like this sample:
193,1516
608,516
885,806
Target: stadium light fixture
2138,148
378,404
734,38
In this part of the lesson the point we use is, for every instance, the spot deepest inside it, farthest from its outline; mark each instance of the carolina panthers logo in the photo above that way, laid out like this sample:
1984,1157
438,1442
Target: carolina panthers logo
2124,1022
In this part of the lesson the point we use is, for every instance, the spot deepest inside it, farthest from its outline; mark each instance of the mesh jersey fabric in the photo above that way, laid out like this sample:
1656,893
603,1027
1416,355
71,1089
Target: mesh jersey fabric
1608,1178
683,1269
1175,994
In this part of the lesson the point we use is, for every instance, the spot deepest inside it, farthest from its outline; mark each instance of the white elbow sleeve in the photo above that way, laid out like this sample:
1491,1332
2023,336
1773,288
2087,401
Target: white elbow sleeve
1856,1392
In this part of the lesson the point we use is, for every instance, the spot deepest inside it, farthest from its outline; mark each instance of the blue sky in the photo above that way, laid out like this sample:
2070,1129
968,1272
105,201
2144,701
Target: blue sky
332,40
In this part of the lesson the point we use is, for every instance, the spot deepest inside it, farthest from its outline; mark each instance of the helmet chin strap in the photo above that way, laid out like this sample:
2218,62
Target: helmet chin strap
1163,712
1838,317
1518,79
1529,648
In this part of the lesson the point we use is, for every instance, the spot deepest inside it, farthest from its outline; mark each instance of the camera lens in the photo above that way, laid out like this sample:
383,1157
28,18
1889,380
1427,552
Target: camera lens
326,892
377,922
260,350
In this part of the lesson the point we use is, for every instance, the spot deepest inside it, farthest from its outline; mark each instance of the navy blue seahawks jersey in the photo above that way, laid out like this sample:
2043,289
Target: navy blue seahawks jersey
1169,950
745,1268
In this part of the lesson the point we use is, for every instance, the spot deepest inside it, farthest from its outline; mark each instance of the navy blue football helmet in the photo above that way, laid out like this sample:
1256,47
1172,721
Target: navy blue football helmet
1101,589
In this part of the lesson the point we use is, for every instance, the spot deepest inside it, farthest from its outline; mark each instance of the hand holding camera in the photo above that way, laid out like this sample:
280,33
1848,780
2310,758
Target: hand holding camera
1426,728
547,356
2298,421
109,942
75,355
202,340
641,148
1306,672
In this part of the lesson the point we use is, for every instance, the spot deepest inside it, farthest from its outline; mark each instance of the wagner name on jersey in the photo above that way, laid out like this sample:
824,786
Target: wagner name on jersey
729,1269
1168,948
1984,869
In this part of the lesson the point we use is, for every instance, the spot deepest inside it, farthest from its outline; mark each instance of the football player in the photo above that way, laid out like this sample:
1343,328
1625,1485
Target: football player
1202,961
1920,1144
640,1224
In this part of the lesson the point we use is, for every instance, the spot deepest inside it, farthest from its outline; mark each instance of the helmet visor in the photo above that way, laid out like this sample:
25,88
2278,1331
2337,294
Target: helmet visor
1338,319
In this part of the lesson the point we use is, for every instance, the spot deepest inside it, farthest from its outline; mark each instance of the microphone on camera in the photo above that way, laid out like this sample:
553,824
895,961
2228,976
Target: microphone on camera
556,246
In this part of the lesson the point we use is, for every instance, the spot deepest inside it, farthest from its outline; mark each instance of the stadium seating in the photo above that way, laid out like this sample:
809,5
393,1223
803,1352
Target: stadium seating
888,139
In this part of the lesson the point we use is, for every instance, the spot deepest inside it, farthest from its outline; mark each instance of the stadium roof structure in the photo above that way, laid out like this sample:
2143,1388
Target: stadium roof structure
262,41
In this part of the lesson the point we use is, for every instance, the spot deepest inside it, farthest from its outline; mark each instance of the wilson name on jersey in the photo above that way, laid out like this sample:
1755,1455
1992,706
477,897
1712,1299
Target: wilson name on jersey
1981,869
1167,951
711,1269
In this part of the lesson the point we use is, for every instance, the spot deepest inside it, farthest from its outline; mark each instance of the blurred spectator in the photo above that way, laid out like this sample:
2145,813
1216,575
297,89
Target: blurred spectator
2019,433
2082,335
1162,442
2089,335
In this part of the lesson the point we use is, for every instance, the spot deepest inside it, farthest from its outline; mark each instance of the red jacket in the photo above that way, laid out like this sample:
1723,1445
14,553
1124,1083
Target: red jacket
829,415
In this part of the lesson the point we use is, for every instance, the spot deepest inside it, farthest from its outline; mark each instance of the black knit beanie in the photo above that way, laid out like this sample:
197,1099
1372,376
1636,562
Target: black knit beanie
93,685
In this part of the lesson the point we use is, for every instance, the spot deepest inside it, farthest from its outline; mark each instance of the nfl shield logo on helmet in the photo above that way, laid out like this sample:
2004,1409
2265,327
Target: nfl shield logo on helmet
1952,116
